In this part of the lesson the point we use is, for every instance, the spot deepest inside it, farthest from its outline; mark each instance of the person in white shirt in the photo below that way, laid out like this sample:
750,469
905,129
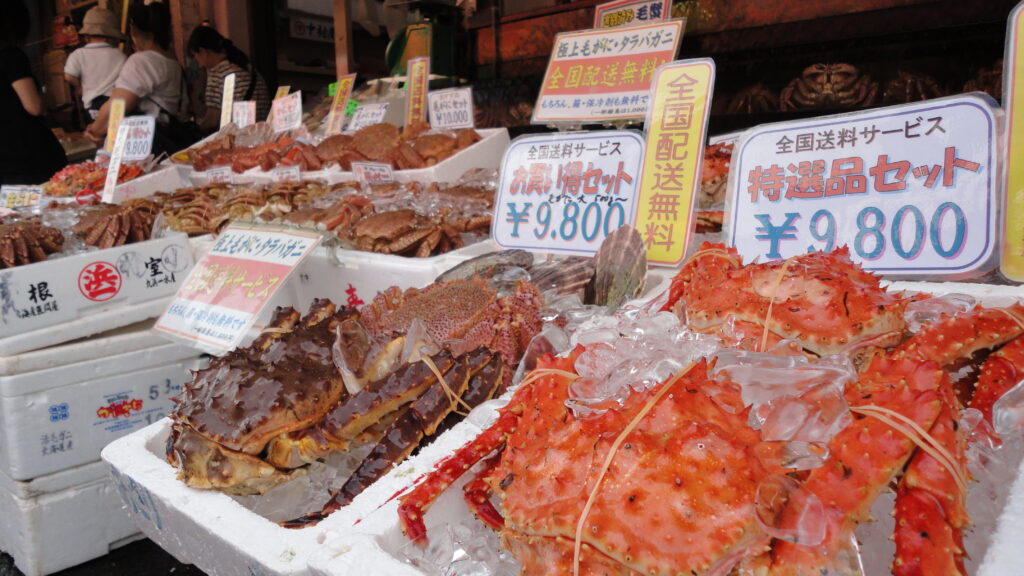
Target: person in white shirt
93,68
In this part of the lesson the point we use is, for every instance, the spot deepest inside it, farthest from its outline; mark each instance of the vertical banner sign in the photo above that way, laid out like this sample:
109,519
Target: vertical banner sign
416,92
139,143
113,122
368,115
676,126
244,113
227,99
336,117
910,190
286,112
631,12
565,193
451,109
1013,101
223,295
599,76
114,167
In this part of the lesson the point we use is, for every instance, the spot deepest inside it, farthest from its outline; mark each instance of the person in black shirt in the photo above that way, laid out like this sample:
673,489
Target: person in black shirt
29,152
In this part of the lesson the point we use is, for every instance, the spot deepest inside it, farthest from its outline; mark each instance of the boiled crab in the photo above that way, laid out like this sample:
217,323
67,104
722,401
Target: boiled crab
107,225
410,148
27,241
829,86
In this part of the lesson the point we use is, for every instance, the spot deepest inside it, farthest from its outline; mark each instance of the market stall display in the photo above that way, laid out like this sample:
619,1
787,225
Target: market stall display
88,177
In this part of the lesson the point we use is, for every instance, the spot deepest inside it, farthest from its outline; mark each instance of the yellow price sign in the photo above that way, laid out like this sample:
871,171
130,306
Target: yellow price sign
114,122
336,118
1012,263
677,123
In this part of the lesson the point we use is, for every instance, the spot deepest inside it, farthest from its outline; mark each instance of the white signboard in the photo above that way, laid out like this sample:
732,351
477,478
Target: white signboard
451,109
367,115
286,113
243,113
139,137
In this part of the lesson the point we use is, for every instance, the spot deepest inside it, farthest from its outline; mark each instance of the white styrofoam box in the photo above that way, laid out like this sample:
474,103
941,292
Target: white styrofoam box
62,519
67,298
63,415
377,541
168,177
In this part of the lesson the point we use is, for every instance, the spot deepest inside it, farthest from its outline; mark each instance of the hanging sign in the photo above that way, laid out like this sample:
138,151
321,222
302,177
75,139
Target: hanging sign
675,129
18,196
227,100
566,192
631,12
910,189
599,76
1012,264
336,117
223,295
368,115
416,91
451,109
244,113
286,112
113,122
373,172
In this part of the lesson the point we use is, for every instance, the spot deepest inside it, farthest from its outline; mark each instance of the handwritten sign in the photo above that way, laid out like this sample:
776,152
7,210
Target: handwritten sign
676,125
225,292
416,90
909,189
139,136
631,12
114,167
566,192
17,196
286,112
1012,264
373,172
227,100
603,75
220,174
285,174
113,122
451,109
368,115
336,117
244,113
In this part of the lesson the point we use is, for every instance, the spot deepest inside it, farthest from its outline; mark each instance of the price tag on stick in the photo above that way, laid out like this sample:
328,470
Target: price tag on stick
141,130
113,122
451,109
336,117
287,112
114,167
1013,101
416,90
243,113
227,100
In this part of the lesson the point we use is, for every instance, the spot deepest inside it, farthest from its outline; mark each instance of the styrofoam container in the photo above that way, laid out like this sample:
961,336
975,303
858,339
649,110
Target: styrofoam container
167,177
376,540
62,519
60,406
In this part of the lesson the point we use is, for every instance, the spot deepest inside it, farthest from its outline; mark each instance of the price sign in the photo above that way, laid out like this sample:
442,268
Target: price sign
910,189
227,100
16,196
631,12
416,91
244,113
566,192
114,167
373,172
368,115
225,292
220,174
285,174
451,109
336,117
139,136
676,126
113,122
1012,264
604,75
286,112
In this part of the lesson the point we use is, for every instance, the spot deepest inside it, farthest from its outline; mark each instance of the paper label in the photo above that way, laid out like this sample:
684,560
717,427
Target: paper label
373,172
244,113
336,117
416,90
287,112
139,137
220,174
17,196
909,189
225,292
451,109
368,115
1012,263
631,12
227,100
114,166
566,192
598,76
285,174
113,122
675,132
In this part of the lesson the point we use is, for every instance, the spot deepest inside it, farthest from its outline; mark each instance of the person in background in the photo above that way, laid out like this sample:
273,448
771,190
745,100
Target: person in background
93,68
29,152
220,58
151,81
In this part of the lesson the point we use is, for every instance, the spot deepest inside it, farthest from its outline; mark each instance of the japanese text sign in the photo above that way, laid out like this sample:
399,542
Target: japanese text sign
603,75
227,100
311,29
16,196
244,113
113,122
1013,101
221,298
139,136
566,192
451,109
416,91
368,115
373,172
114,166
676,125
911,189
631,12
286,112
336,117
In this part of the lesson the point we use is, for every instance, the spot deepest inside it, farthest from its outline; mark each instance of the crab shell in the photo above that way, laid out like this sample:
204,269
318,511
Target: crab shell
822,299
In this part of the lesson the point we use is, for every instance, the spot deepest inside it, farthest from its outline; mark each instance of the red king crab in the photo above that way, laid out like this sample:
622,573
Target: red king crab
666,483
107,225
27,241
829,86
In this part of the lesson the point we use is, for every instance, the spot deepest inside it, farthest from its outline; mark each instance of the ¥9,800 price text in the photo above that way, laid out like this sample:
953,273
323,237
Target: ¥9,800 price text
566,221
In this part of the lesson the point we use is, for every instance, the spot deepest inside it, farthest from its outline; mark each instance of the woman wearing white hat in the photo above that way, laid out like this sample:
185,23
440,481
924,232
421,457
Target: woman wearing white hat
93,68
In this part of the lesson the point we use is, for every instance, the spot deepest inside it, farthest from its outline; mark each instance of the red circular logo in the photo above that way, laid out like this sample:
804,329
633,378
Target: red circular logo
99,281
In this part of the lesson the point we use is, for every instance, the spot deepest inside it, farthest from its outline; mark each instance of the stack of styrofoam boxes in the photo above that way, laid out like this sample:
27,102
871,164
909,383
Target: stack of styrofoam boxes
80,367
